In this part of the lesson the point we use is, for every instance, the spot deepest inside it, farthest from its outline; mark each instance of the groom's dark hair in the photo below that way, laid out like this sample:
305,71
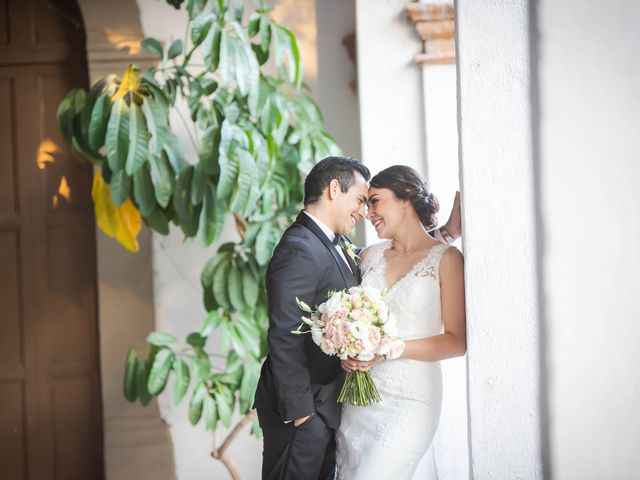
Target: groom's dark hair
341,168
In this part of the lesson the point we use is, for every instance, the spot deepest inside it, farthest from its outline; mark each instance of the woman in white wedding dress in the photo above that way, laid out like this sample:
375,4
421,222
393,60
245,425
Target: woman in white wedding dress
424,286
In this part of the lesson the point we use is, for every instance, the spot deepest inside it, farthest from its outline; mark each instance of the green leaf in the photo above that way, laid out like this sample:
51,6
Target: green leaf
206,277
255,429
246,178
158,221
152,46
224,408
194,7
65,113
247,71
201,366
129,388
117,138
162,177
161,339
220,279
195,404
264,244
254,24
120,187
210,412
200,27
174,152
209,150
181,379
157,113
143,191
99,121
160,371
211,47
196,340
295,62
234,288
211,217
229,167
212,320
248,385
141,382
138,140
250,287
248,334
175,49
187,213
228,61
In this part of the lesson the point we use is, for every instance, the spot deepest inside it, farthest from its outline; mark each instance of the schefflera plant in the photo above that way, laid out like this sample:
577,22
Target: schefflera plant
256,134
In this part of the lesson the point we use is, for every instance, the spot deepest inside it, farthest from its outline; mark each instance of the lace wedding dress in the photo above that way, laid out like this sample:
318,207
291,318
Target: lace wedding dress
388,439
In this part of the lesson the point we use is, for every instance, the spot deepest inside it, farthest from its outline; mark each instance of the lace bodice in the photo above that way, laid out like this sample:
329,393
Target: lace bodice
415,298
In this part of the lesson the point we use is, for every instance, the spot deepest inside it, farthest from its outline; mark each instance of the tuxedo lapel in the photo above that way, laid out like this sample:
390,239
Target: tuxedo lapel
347,275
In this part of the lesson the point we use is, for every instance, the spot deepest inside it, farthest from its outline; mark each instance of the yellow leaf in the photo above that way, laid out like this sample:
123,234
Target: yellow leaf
130,83
130,224
122,223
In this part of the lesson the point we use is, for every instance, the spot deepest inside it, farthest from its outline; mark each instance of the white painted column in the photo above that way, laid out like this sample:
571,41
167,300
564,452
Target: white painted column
589,169
499,238
389,89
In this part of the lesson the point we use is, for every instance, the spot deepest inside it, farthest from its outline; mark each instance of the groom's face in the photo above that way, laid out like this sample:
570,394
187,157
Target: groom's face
349,207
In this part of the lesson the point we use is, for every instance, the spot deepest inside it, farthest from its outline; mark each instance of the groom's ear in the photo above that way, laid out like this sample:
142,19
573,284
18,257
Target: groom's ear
333,189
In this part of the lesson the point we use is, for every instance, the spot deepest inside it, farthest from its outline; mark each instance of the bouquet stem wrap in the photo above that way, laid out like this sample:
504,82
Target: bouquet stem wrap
359,390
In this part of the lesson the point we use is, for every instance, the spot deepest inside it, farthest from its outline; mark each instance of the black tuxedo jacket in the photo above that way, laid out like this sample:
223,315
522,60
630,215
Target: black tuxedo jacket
297,379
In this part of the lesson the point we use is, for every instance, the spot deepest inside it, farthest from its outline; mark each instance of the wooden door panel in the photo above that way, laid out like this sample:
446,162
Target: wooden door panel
11,342
12,430
7,146
51,415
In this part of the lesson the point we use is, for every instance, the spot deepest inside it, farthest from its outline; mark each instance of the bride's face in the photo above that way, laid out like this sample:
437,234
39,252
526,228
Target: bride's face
386,211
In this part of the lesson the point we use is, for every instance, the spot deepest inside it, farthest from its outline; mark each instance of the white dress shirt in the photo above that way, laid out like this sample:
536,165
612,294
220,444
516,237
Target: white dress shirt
330,235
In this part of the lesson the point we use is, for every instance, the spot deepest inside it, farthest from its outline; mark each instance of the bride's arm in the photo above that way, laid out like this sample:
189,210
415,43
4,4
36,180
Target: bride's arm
453,342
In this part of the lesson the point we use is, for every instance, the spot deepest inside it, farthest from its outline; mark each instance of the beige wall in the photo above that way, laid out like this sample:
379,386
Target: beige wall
137,444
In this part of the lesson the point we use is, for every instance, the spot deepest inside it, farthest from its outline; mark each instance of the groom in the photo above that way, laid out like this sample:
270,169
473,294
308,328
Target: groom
297,394
299,385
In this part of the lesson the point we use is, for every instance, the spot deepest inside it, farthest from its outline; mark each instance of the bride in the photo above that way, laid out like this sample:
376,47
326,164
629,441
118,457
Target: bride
424,286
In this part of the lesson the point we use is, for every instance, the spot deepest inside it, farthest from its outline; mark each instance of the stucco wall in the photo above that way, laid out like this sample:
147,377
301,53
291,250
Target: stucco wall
499,238
589,119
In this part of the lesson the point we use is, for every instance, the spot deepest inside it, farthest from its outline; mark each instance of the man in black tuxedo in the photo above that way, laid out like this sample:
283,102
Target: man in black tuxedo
296,397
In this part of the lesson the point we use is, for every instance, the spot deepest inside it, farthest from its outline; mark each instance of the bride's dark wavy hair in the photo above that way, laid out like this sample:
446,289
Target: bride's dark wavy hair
407,184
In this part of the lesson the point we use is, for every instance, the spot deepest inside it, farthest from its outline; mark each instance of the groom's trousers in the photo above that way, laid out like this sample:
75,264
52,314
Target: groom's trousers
306,452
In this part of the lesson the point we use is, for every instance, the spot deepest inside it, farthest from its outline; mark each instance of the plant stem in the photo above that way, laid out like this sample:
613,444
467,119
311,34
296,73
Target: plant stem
219,453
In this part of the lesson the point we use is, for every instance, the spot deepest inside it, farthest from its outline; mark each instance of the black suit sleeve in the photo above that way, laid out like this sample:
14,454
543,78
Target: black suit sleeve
292,273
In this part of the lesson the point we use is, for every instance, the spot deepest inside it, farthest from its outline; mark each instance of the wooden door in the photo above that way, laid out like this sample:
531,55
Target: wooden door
50,401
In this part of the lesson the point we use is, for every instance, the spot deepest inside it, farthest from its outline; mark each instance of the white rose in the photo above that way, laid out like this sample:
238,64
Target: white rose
359,329
390,327
333,305
365,356
384,346
372,293
396,349
317,335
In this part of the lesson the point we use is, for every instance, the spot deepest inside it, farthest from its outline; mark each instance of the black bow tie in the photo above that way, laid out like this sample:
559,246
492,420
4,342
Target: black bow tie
336,239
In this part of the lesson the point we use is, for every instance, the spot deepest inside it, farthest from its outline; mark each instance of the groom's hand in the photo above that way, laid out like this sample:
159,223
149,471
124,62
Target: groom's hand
299,421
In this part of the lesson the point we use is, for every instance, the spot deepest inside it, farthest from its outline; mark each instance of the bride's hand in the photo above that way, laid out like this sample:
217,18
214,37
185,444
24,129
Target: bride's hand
351,365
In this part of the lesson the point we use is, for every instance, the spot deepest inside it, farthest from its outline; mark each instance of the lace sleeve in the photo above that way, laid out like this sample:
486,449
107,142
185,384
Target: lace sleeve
370,256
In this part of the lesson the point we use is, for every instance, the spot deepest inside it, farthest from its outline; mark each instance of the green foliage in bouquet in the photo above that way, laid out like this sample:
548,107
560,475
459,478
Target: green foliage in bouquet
256,134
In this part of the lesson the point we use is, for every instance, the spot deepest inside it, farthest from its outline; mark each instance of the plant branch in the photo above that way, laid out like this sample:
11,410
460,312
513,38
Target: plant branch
218,453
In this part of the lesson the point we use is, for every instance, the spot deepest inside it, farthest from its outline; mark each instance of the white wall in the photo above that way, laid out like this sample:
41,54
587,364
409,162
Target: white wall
589,168
499,238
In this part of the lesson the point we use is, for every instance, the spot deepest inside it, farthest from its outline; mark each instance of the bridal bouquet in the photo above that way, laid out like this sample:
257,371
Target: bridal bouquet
354,323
